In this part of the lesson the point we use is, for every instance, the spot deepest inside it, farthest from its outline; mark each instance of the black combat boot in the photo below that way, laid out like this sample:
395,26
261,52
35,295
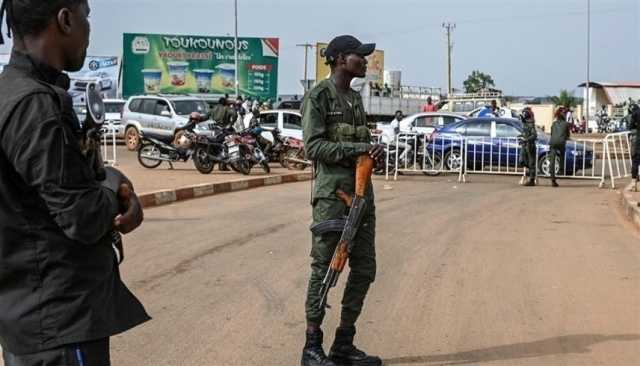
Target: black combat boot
530,183
313,354
344,353
554,184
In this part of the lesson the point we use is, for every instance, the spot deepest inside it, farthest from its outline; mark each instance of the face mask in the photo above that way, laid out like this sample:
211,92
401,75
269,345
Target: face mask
357,84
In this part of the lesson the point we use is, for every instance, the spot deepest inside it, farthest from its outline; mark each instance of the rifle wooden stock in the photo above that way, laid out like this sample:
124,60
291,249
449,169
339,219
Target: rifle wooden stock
364,169
357,204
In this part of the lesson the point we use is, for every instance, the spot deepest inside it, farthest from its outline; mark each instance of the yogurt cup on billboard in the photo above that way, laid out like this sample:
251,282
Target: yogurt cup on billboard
178,72
152,79
228,74
203,79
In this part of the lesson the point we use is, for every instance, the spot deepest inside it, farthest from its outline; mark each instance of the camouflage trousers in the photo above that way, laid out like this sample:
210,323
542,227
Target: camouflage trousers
362,262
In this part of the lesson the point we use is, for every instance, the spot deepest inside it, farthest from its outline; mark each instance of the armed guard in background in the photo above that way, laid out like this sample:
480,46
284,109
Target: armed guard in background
335,134
560,133
634,112
528,141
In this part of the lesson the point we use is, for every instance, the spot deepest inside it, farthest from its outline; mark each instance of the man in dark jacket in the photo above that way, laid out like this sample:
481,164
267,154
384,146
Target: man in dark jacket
61,296
634,116
560,133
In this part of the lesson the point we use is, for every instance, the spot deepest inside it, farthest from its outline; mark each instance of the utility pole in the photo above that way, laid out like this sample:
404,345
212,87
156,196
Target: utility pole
449,27
236,50
306,46
588,86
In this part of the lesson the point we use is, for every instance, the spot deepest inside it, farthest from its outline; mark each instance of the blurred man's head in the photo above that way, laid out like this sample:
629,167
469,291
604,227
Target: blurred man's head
399,115
60,28
494,105
429,100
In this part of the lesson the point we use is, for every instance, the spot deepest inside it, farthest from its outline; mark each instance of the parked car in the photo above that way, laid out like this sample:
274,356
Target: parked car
288,121
495,141
502,113
423,123
160,115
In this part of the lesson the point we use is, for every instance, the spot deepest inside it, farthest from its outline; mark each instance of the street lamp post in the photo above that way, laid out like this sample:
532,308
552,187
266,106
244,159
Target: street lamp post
588,86
236,50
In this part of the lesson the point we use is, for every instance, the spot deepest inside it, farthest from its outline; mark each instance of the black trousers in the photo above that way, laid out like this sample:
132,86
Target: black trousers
556,152
94,353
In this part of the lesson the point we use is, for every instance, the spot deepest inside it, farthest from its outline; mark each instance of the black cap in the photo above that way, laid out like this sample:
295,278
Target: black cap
346,45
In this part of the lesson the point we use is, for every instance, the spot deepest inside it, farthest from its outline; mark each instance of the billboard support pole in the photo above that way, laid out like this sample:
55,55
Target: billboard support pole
236,49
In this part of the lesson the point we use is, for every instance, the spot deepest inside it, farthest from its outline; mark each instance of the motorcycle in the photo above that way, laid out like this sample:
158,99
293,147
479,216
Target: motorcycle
295,157
279,149
154,150
245,152
210,151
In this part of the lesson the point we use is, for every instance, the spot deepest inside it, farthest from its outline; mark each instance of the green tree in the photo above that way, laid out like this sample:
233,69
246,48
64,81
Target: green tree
478,81
565,99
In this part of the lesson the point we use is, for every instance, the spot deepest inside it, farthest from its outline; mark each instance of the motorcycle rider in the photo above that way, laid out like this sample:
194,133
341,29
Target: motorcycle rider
528,141
560,132
392,133
256,130
634,112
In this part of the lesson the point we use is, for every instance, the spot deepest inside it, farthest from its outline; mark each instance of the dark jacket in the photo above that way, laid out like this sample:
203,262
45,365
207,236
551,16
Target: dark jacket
59,280
560,132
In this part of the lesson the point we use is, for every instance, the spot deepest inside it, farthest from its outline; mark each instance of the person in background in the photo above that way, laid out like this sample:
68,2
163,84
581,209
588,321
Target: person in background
560,133
529,137
429,106
634,111
489,111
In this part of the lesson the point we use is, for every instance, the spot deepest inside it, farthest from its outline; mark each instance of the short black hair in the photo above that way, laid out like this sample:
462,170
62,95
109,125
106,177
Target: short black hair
30,17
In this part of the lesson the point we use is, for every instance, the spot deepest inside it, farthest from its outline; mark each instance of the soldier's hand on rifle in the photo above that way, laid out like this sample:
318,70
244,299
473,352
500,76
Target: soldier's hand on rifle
376,151
131,214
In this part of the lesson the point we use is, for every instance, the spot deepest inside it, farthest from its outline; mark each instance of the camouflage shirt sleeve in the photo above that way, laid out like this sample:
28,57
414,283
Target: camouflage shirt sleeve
317,145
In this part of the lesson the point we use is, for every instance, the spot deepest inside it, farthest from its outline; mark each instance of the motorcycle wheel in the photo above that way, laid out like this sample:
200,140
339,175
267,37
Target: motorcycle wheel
202,161
265,166
149,150
242,166
295,154
282,159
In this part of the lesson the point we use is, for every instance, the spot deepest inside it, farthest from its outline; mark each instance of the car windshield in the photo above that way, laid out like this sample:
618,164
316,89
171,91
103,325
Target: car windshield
113,107
186,107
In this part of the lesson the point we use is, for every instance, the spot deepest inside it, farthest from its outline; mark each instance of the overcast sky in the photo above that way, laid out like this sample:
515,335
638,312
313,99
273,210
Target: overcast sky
530,47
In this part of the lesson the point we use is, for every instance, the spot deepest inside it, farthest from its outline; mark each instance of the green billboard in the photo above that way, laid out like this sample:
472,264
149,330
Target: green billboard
175,64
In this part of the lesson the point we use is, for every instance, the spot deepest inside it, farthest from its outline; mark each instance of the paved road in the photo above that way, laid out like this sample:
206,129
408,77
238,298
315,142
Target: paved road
484,273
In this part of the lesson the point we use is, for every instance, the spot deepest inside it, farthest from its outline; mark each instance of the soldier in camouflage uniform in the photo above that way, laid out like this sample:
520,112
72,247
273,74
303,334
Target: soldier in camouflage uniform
529,137
335,134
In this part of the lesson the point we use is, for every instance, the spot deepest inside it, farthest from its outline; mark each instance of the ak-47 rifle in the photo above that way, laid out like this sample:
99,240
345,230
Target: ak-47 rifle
349,226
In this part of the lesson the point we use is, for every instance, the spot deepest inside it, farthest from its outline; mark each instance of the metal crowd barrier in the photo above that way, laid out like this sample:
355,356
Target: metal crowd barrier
618,151
424,156
594,159
109,133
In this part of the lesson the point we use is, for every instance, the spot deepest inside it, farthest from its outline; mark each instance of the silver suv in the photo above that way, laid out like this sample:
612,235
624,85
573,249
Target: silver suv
160,115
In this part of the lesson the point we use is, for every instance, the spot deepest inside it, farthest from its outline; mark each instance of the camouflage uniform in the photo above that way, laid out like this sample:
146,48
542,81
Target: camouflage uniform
335,134
529,156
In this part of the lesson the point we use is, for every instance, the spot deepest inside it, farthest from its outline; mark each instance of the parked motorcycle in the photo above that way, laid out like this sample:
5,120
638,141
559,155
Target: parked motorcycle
154,150
245,152
295,157
213,150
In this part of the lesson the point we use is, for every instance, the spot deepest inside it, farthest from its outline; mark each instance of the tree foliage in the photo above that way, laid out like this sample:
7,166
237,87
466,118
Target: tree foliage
478,81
